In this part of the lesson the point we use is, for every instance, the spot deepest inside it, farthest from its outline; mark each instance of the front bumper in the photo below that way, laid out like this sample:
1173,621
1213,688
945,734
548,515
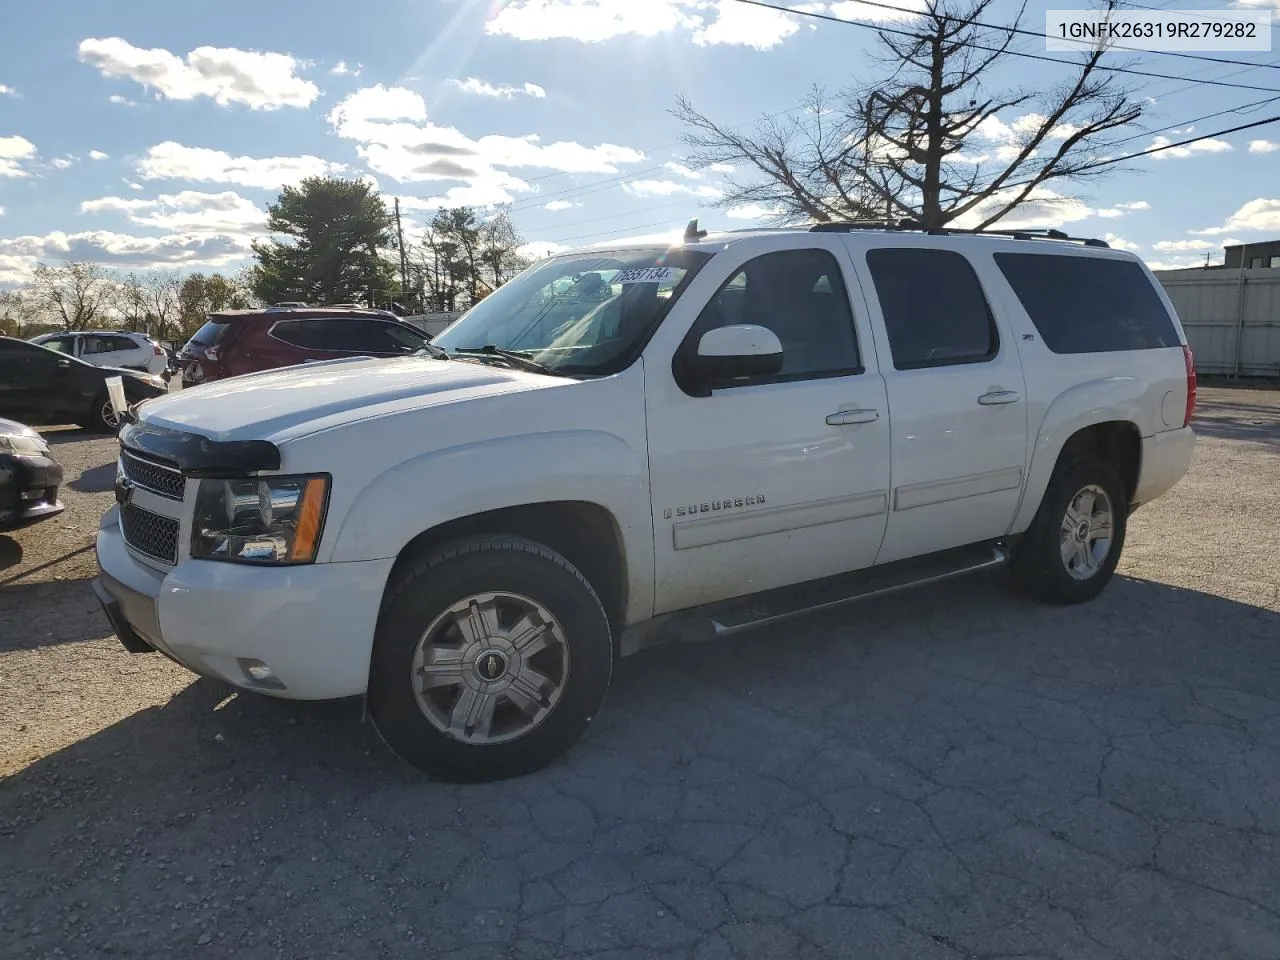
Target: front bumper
312,626
28,490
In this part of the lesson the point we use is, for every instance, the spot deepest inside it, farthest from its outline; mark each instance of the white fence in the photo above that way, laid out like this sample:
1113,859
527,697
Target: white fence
432,323
1232,317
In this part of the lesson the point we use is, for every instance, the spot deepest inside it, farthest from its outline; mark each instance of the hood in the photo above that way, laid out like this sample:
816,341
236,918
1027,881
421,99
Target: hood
11,428
312,396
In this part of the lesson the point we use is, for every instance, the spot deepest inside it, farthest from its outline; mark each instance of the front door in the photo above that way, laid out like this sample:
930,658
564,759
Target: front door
774,480
956,400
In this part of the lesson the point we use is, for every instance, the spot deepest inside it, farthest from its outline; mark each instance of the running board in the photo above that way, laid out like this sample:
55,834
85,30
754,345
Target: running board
786,603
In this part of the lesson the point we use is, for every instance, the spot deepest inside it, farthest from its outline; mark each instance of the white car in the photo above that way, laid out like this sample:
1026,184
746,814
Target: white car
622,446
110,348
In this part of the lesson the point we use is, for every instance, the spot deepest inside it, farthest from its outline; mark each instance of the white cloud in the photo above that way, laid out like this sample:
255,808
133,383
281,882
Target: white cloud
721,168
1134,205
343,69
1263,146
1120,209
1184,246
262,81
134,186
1044,208
706,22
1119,243
667,188
738,24
173,161
539,249
852,10
97,155
482,89
680,170
394,137
123,249
1180,263
751,211
590,21
122,101
1259,214
61,163
560,205
13,150
6,91
187,212
1209,145
16,271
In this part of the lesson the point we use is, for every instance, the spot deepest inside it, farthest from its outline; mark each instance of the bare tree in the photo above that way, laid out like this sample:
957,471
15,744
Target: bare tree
75,295
499,249
463,255
163,307
909,146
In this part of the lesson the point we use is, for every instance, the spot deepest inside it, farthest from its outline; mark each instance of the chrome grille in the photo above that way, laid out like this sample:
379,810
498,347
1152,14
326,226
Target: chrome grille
149,475
150,533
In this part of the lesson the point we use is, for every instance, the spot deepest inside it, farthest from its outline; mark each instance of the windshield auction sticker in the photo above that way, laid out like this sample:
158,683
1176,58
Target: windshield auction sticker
1188,30
646,275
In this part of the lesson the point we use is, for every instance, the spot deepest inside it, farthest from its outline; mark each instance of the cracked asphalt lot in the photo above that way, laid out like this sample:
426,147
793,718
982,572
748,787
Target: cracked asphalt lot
953,772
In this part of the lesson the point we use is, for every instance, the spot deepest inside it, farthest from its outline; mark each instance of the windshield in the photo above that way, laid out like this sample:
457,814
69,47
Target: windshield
211,332
586,314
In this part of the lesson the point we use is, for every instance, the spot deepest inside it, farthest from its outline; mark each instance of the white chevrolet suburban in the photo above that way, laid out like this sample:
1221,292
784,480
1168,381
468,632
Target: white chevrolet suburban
639,443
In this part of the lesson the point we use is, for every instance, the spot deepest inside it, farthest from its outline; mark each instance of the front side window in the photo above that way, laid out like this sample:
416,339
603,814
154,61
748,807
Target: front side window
579,314
799,295
1088,304
935,312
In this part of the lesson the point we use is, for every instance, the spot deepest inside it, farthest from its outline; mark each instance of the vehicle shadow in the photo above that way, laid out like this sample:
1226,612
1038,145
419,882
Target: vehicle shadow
1265,432
49,613
10,552
99,479
955,632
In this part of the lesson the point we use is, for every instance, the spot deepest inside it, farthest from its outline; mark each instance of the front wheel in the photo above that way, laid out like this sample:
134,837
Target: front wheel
102,415
1070,551
491,659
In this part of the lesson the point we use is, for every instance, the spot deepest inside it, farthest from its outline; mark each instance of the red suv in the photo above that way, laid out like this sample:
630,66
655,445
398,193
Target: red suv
244,341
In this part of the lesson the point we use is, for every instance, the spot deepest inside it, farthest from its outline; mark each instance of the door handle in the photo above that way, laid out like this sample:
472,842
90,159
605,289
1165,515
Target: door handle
996,397
843,417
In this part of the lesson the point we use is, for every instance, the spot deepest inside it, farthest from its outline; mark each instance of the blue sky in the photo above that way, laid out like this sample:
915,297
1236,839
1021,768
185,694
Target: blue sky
149,134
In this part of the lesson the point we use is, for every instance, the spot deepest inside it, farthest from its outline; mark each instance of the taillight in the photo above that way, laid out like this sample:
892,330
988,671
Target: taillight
158,349
1191,384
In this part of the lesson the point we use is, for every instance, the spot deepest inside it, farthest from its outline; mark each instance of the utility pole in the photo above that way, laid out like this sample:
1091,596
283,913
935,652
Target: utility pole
404,260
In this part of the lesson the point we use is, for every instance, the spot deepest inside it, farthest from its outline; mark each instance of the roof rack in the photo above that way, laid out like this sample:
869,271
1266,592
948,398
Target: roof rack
846,226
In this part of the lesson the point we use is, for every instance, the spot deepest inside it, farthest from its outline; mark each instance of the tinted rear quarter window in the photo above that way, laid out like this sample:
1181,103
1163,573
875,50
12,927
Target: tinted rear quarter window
1089,304
211,333
346,335
935,311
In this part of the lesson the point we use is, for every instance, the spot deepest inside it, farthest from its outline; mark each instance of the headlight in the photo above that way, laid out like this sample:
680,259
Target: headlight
24,446
271,520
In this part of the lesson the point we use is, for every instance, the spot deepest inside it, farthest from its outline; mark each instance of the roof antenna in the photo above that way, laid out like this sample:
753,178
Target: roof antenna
691,233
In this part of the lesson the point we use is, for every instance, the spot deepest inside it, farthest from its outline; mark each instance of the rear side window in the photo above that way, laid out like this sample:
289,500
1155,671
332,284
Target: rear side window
211,333
934,309
348,336
1089,304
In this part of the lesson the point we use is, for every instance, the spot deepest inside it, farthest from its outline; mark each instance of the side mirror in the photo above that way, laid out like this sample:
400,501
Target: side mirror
733,352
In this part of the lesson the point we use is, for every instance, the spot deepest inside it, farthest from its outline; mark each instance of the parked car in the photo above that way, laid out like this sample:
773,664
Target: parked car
29,477
121,349
626,445
39,385
245,341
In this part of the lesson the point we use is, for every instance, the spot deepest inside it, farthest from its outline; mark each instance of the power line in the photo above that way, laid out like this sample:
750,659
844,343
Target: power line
1009,52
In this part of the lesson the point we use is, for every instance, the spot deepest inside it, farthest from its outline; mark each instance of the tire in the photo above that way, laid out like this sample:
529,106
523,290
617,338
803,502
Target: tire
98,412
420,635
1049,560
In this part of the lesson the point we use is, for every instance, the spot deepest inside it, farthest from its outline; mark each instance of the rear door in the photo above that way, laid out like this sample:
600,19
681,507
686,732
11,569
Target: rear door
956,398
111,350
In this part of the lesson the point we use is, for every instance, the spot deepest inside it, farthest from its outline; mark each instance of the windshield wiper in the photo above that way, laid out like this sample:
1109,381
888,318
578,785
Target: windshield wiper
439,353
518,360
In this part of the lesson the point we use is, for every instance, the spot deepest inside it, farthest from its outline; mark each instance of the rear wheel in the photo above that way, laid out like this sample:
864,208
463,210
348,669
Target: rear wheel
491,659
1070,551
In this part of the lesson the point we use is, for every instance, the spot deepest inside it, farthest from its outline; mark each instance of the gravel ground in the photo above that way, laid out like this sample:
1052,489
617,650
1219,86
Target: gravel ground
949,773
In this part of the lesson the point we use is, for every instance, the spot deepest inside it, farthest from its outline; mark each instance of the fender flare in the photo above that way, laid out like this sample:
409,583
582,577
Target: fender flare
423,492
1114,399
